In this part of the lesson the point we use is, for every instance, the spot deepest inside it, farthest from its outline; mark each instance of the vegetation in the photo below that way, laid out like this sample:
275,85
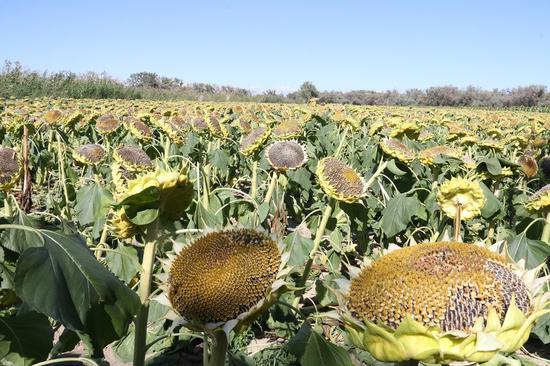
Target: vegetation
15,81
172,232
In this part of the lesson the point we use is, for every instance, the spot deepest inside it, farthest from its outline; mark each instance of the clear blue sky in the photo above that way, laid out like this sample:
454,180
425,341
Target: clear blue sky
338,45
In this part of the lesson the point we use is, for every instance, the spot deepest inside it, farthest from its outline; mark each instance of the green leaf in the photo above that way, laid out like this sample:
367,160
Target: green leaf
492,165
19,240
123,262
25,338
220,159
64,281
92,205
399,212
533,251
263,211
142,208
542,329
492,204
299,248
318,351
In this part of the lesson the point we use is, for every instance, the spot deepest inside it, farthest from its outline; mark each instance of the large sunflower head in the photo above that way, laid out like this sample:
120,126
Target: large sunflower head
442,303
286,155
254,140
528,165
461,194
89,154
107,124
397,149
10,168
132,158
138,129
225,278
339,180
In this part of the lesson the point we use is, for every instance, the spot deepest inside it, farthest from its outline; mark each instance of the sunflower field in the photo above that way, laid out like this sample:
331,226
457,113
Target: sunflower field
194,233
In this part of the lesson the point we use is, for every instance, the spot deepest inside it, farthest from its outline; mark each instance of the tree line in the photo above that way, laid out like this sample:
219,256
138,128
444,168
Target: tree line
16,81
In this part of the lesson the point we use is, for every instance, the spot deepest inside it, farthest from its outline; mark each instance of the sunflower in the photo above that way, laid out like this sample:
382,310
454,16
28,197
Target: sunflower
89,154
286,155
442,303
254,140
339,180
288,129
461,195
528,165
138,129
10,168
427,156
132,158
107,124
540,200
397,149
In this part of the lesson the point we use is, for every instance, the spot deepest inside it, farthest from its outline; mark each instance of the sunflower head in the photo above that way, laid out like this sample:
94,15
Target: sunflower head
397,149
288,129
89,154
107,124
122,226
427,156
53,116
528,165
286,155
540,200
254,140
463,194
138,129
10,168
339,180
441,303
224,276
545,166
132,158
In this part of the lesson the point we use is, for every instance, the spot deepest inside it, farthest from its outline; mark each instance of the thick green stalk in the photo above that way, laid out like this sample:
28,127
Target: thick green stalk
342,140
272,185
218,351
63,177
316,243
254,184
545,237
456,236
144,292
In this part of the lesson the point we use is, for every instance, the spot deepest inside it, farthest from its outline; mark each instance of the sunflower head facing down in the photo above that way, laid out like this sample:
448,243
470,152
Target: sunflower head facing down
133,159
397,149
225,279
89,154
461,194
339,180
286,155
10,168
442,303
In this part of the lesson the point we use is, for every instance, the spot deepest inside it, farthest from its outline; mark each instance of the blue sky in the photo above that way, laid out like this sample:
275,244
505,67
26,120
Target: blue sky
338,45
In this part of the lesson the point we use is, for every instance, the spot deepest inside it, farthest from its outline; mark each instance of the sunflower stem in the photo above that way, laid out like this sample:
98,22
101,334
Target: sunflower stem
218,351
272,185
342,140
144,291
254,184
545,237
456,236
63,177
7,205
316,243
166,150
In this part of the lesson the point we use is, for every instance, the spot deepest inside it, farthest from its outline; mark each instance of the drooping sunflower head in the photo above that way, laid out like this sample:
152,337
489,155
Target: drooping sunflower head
461,194
540,200
10,168
107,124
397,149
224,275
440,303
89,154
122,226
339,180
53,116
286,155
289,128
133,158
528,165
254,140
138,129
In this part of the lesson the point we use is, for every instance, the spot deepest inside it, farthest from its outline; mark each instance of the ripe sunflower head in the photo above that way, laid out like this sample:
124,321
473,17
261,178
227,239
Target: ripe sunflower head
397,149
286,155
226,278
89,154
132,158
339,180
122,226
138,129
53,116
528,165
288,129
107,124
442,303
252,142
540,200
10,168
463,194
427,156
